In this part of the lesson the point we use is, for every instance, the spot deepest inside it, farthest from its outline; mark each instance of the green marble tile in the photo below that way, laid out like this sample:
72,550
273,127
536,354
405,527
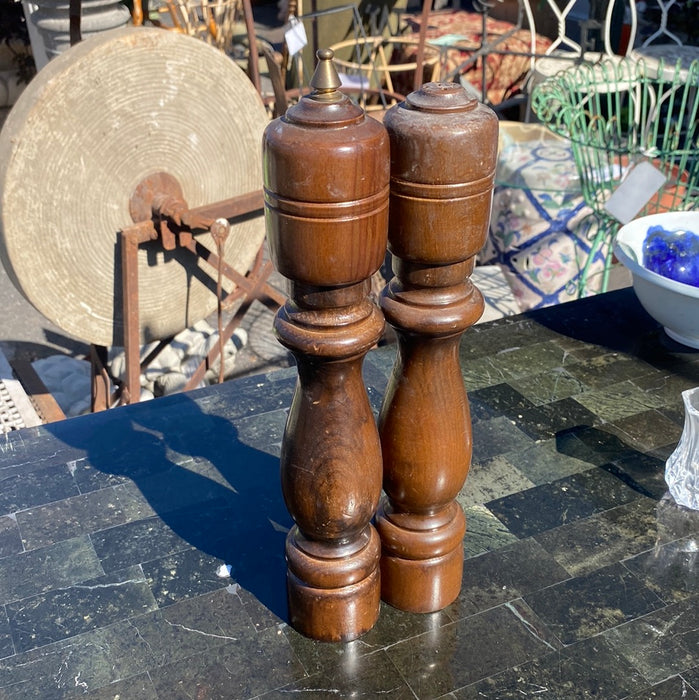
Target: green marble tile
59,614
241,531
665,353
647,430
369,676
71,517
184,575
14,449
484,532
135,542
554,504
593,444
482,372
676,522
191,482
503,335
242,668
496,436
258,567
392,626
247,533
396,625
280,376
57,566
35,487
543,462
662,643
670,689
588,670
324,658
589,604
491,479
504,575
137,688
375,380
107,461
578,350
545,387
645,473
537,357
601,371
132,501
6,646
510,363
32,449
479,408
603,539
263,432
674,413
692,678
10,539
466,651
88,478
666,386
538,422
192,626
501,400
663,453
270,610
187,485
379,362
669,569
548,420
252,395
76,666
618,401
375,400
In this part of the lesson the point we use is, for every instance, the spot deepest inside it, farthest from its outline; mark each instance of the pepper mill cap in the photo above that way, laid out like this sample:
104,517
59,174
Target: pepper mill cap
441,97
326,105
325,81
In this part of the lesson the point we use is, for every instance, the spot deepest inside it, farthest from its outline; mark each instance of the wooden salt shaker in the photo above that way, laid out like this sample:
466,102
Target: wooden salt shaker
443,158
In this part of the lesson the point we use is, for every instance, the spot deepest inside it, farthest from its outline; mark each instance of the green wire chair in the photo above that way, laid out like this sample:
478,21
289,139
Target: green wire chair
616,114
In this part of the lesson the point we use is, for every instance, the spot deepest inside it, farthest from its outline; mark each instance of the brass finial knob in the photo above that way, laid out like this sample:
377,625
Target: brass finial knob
325,81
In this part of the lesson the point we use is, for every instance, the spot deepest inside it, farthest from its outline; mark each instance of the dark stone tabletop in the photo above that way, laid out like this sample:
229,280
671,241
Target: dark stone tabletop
141,549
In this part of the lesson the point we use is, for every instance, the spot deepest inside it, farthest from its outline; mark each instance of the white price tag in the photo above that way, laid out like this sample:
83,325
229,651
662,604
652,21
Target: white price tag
642,181
295,36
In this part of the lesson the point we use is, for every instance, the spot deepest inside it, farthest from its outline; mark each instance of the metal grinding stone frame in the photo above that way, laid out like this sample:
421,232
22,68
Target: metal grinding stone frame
168,226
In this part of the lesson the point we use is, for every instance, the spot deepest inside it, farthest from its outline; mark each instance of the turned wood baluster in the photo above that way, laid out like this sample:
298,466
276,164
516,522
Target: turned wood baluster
443,157
326,169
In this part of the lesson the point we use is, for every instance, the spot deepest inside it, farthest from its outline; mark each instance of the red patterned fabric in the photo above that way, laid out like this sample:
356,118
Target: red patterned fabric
504,73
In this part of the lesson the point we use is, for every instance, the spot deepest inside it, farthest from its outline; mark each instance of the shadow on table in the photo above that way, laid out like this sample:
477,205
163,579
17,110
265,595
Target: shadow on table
641,472
211,490
617,321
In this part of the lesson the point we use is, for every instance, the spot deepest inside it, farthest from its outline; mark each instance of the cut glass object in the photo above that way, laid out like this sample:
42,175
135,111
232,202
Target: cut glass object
682,467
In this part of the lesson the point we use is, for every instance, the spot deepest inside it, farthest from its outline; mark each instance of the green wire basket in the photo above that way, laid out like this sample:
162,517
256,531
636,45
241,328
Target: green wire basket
618,113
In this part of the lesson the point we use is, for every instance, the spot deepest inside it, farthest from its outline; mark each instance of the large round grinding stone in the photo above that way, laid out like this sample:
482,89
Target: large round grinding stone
94,123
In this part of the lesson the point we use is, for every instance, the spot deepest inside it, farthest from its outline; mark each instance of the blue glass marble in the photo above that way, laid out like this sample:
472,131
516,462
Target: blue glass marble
672,254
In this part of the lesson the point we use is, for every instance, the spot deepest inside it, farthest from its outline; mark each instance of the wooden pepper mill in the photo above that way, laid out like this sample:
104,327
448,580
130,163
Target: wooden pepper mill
326,172
443,158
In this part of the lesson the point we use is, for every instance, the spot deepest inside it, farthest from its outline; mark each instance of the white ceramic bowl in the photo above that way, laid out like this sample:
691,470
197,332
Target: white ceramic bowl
673,304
